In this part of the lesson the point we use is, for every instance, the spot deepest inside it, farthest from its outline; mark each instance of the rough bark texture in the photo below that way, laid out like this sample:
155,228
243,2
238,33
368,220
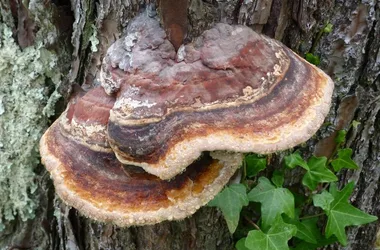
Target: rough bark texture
78,32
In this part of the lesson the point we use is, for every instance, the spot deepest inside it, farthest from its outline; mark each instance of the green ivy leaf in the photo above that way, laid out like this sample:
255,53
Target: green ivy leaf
307,229
328,28
240,245
305,246
312,59
321,243
274,201
278,178
294,160
341,136
255,164
318,173
344,160
341,214
230,201
276,238
333,190
323,200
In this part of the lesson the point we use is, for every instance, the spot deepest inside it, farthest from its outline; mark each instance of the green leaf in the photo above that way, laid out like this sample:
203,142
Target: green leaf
231,200
255,164
293,160
276,238
344,160
321,242
240,245
323,200
341,214
333,190
305,246
318,173
274,201
278,178
341,136
328,28
312,59
307,229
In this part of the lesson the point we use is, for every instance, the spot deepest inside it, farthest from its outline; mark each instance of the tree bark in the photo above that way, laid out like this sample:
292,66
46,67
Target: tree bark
79,32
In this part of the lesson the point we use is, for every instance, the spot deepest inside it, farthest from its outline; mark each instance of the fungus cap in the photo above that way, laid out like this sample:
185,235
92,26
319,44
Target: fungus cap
88,176
231,89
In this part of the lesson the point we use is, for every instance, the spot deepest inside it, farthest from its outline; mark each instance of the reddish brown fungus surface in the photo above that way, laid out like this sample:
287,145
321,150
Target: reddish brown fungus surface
231,89
132,151
88,176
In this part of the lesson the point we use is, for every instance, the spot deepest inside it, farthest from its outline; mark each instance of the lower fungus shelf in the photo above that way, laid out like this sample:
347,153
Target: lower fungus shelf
102,188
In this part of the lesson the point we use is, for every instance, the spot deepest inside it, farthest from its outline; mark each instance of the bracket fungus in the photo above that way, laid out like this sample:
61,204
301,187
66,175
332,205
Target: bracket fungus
88,176
166,131
231,89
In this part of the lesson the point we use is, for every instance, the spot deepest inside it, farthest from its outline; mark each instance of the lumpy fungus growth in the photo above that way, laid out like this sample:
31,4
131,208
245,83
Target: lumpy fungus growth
166,130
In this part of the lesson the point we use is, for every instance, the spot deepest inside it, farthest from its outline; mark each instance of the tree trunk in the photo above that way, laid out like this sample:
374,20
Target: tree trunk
46,46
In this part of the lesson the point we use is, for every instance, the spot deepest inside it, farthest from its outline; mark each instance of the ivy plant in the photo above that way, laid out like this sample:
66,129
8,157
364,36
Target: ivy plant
265,214
310,56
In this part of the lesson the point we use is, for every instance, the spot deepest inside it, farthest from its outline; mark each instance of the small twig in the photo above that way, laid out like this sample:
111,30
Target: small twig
252,223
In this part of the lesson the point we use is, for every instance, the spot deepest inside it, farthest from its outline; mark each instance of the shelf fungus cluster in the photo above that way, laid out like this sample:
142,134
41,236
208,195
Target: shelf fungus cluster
166,130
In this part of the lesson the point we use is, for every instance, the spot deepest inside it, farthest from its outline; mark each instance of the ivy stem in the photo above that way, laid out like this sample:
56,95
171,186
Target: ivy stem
244,176
318,38
311,216
337,147
252,223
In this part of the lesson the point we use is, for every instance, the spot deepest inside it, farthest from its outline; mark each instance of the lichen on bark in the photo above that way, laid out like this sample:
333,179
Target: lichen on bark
28,77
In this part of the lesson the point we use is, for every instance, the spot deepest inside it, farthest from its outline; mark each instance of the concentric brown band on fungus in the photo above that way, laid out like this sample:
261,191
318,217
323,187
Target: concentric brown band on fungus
88,176
231,89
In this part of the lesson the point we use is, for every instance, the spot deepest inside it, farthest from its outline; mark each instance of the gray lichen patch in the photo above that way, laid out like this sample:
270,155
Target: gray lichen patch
25,76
